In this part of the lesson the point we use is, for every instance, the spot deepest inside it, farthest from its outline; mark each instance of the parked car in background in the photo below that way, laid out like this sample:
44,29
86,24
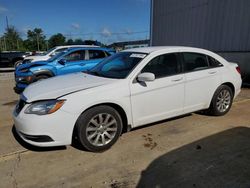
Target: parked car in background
126,90
67,61
50,53
9,59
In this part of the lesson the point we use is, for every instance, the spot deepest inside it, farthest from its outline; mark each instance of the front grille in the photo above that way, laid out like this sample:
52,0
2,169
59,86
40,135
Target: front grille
20,106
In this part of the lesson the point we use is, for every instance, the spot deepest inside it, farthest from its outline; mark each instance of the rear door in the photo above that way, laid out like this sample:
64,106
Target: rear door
201,81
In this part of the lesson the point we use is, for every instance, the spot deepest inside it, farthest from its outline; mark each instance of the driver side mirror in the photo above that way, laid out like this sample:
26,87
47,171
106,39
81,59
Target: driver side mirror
146,77
62,61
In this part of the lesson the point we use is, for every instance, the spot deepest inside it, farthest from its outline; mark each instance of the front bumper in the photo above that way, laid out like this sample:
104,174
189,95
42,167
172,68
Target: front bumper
19,88
45,130
22,81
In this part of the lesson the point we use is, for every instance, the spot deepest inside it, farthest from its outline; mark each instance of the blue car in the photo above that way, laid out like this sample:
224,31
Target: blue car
69,61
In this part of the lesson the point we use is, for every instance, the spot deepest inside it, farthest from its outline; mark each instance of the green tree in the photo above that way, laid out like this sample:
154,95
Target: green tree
35,40
11,39
78,41
93,42
56,40
70,42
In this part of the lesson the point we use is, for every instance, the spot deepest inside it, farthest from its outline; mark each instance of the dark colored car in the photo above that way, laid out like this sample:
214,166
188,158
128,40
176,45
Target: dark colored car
9,59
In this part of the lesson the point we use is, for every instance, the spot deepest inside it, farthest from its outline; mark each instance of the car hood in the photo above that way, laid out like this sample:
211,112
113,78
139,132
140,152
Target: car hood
58,86
30,65
37,57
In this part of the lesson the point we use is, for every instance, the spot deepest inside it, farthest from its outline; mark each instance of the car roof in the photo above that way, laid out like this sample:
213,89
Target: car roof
89,48
160,48
75,46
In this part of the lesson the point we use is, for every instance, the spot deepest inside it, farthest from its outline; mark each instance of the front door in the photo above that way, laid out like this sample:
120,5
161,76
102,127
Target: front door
161,98
74,62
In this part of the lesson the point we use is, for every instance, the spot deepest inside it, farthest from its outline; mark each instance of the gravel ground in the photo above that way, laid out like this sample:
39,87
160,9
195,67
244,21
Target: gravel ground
191,151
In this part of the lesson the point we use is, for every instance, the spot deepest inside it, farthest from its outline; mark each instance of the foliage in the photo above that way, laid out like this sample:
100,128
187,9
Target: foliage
56,40
11,39
35,40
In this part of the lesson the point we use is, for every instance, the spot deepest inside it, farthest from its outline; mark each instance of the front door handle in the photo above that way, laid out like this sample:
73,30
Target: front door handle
177,79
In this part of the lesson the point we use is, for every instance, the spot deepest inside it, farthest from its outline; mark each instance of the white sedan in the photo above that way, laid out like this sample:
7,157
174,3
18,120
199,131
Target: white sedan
129,89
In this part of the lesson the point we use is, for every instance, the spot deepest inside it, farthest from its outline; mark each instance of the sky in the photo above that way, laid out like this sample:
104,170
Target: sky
104,20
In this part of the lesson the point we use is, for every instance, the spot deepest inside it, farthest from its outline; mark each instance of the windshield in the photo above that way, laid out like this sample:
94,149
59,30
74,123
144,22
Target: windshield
118,65
56,56
50,50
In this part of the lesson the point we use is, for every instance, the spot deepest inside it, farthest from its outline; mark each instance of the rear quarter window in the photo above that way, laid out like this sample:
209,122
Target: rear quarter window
214,63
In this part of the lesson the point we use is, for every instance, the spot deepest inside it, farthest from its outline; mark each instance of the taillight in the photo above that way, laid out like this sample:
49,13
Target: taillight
238,69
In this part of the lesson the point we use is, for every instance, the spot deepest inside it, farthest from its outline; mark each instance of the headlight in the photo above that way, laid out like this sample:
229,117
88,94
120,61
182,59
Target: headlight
24,78
44,107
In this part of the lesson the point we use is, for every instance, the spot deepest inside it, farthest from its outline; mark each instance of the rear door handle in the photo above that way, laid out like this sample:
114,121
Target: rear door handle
177,79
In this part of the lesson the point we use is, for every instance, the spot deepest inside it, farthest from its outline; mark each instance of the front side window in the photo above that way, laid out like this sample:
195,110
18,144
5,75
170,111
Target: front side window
60,50
75,56
194,61
58,56
163,65
96,54
118,65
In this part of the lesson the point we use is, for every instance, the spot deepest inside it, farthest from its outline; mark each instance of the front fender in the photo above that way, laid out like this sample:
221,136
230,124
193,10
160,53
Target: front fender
45,70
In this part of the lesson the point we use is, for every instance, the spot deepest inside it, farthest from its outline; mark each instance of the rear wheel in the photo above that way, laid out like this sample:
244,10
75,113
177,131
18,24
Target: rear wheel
222,101
99,128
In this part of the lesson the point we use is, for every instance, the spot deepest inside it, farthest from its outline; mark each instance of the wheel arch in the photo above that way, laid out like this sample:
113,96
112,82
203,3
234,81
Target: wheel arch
44,72
230,85
117,107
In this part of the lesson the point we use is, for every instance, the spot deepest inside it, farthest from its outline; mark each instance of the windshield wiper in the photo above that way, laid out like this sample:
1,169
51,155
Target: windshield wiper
96,73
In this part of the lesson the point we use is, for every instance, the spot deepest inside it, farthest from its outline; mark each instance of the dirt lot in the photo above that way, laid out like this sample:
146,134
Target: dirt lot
190,151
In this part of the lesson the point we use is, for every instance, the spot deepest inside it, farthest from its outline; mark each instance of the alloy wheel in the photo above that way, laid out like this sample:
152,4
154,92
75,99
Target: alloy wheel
101,129
223,100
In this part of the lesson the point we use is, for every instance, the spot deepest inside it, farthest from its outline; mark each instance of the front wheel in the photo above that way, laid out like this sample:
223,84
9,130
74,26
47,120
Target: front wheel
222,101
99,128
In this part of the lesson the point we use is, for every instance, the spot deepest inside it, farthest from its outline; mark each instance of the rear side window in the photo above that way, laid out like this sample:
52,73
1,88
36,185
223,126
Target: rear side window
213,62
195,61
163,65
96,54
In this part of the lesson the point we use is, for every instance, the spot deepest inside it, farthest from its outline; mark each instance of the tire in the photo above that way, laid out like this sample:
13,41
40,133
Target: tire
222,101
95,130
41,77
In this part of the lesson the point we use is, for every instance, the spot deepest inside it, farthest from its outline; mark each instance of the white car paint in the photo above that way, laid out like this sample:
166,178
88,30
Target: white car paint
52,53
160,99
